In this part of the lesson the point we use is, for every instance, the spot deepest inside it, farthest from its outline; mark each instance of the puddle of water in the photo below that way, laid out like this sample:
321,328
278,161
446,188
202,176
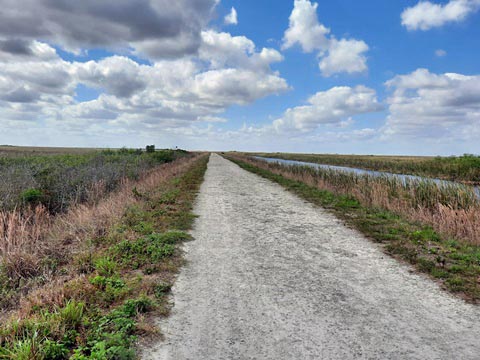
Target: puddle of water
403,177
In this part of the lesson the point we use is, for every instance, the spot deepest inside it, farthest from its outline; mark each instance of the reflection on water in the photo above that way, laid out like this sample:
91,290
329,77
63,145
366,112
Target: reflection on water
358,171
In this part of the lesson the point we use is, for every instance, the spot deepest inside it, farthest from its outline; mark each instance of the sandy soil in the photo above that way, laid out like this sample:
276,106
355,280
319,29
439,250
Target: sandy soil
270,276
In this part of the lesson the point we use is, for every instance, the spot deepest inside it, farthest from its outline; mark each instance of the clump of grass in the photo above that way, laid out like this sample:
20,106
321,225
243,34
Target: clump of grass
72,314
105,266
161,289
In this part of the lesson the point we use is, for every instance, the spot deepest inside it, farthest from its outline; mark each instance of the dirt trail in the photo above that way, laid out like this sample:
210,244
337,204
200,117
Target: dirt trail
270,276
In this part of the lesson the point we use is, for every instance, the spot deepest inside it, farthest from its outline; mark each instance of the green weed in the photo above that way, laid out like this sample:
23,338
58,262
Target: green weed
105,266
149,249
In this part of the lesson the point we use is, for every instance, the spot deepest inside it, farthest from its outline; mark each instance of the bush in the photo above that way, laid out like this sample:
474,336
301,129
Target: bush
31,196
163,156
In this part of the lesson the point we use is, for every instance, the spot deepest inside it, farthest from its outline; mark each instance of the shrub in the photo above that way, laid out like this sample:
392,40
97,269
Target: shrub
163,156
31,196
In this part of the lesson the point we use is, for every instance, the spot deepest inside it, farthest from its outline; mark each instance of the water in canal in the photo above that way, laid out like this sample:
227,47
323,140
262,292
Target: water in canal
358,171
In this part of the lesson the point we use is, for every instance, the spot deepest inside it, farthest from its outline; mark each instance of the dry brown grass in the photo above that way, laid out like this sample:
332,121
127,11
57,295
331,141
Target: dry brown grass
106,283
22,241
30,240
22,230
457,223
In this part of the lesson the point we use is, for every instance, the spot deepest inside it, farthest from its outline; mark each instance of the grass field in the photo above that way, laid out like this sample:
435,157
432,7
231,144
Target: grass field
438,232
19,151
464,169
81,284
57,180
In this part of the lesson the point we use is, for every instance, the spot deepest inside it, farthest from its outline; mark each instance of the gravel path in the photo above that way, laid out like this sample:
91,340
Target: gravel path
270,276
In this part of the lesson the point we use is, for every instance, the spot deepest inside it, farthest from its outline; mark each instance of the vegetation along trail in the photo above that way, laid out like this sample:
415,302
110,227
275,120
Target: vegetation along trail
270,276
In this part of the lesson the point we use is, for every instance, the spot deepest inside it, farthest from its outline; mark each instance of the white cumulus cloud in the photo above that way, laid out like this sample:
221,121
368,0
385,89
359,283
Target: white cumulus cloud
165,95
334,106
424,104
427,15
232,17
305,29
345,56
224,50
336,56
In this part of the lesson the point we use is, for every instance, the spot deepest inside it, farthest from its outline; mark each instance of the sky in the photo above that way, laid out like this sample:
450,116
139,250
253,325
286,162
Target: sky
345,76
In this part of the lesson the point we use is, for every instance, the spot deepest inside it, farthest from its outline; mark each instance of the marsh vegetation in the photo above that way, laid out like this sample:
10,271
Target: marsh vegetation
79,281
59,180
464,168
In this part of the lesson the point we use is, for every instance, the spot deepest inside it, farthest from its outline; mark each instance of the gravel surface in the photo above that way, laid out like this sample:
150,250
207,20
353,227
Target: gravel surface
271,276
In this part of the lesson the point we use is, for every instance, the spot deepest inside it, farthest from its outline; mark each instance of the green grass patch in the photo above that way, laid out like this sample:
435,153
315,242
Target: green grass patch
149,249
105,266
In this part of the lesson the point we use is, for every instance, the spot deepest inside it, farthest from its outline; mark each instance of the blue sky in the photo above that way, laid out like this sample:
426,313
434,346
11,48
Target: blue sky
379,77
394,50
